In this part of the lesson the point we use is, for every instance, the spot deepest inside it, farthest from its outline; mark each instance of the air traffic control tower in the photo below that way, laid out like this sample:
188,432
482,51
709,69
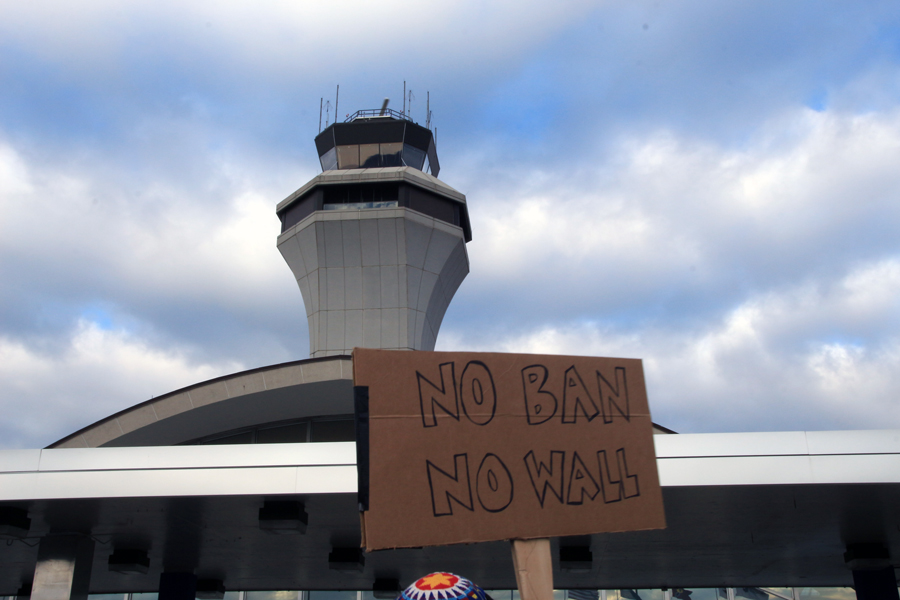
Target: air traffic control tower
376,242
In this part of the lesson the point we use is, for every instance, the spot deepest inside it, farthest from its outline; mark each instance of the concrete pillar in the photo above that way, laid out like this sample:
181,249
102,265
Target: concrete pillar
177,586
876,584
63,570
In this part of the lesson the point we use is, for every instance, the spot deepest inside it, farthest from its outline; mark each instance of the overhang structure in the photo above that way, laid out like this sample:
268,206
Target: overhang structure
749,509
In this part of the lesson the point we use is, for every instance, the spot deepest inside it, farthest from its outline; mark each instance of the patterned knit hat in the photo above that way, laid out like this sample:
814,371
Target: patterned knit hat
443,586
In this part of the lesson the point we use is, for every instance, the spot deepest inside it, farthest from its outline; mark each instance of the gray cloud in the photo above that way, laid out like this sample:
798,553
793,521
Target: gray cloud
708,186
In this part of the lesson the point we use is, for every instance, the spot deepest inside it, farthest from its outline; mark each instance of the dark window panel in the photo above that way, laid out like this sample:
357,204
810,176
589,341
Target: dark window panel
352,194
385,131
390,154
413,157
434,207
348,157
369,156
286,434
300,209
245,437
434,166
417,136
343,430
329,160
325,140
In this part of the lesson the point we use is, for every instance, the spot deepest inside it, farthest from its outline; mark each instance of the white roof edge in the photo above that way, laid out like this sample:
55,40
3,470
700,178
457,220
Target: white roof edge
684,460
778,443
697,445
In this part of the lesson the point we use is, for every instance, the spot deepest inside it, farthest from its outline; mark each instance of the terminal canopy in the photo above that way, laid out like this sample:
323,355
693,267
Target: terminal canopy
371,139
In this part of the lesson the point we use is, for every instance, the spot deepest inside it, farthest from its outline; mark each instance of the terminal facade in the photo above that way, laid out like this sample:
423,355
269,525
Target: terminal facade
245,485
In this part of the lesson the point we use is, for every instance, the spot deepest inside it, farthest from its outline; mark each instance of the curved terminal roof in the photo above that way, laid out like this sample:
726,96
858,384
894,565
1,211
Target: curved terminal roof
316,387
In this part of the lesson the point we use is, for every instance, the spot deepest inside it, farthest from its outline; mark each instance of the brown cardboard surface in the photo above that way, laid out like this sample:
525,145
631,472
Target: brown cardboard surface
469,447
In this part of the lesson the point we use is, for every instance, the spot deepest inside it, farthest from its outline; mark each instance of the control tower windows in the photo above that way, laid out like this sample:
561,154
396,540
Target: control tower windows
373,156
375,195
376,142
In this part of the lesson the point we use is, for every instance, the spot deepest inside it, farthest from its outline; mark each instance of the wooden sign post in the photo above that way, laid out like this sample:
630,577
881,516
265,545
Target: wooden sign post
534,569
468,447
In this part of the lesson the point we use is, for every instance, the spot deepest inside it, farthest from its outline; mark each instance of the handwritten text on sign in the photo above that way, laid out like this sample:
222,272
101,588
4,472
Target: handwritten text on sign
472,447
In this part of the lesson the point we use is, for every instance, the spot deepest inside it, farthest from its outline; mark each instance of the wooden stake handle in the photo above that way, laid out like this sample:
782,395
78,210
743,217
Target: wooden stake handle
534,568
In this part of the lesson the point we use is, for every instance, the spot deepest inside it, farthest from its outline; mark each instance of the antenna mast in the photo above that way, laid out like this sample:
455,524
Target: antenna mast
327,111
336,96
427,110
404,97
320,114
411,97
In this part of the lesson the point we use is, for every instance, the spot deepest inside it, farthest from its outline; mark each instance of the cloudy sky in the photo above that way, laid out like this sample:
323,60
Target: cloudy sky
712,186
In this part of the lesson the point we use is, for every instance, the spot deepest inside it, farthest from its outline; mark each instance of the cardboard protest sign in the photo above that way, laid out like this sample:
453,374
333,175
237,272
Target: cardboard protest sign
459,447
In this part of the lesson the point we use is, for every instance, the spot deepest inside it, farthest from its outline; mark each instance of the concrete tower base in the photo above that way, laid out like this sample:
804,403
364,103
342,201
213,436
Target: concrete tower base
375,277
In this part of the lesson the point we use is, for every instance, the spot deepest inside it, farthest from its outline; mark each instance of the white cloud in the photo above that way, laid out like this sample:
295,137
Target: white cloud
791,202
49,394
626,198
312,37
77,223
754,282
760,367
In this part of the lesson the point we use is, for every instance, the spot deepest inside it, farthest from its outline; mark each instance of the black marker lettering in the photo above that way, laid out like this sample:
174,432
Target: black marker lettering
612,396
576,398
581,482
444,397
544,477
540,405
625,485
493,484
446,487
478,393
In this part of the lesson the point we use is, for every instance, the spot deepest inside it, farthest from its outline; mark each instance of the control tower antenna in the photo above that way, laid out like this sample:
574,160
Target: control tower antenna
384,106
427,110
404,98
336,96
320,114
411,98
327,112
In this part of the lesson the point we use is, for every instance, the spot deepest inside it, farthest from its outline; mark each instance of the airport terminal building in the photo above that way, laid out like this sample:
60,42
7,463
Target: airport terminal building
245,486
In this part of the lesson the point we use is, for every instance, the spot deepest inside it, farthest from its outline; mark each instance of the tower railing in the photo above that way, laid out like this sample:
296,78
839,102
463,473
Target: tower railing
377,112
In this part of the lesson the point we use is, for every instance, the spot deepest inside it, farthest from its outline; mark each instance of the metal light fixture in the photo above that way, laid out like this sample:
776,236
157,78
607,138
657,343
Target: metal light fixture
283,517
346,559
210,589
386,588
576,559
867,557
14,522
129,561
